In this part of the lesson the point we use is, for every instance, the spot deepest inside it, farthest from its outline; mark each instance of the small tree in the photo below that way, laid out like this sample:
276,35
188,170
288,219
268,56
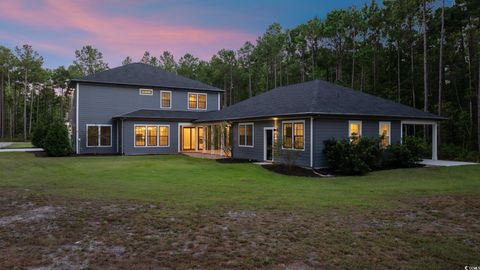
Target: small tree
282,156
57,143
39,134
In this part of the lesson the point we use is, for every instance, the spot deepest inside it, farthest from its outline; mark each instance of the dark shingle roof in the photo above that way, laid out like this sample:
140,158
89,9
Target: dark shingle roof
316,98
140,74
161,114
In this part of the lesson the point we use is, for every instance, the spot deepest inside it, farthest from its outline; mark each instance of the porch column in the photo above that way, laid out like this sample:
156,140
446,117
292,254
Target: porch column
212,139
222,142
434,141
204,139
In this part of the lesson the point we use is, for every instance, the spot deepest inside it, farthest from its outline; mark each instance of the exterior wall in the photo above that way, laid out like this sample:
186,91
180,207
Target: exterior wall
257,151
98,104
128,134
325,129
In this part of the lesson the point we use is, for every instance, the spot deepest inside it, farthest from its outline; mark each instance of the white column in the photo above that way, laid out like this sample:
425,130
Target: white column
434,141
222,141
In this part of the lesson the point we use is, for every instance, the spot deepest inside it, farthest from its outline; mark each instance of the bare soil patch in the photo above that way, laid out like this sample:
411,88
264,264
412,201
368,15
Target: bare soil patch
44,232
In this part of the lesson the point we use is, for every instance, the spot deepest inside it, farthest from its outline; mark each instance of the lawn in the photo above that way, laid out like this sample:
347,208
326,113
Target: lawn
181,212
18,145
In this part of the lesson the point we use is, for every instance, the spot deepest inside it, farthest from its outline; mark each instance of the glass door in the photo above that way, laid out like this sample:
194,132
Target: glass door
188,141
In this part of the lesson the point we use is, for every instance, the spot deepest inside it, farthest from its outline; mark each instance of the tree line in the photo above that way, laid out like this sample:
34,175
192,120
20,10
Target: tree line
421,53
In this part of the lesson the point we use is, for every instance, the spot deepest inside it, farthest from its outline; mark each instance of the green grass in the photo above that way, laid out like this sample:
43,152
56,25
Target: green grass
176,180
18,145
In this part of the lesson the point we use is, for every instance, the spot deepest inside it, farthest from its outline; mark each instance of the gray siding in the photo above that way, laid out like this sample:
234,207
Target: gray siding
129,139
98,104
257,151
325,129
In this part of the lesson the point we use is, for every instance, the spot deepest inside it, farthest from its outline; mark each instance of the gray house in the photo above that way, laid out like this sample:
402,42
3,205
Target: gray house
140,109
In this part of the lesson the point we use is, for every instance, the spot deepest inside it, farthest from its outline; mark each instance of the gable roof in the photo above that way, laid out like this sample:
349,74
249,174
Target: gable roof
140,74
316,98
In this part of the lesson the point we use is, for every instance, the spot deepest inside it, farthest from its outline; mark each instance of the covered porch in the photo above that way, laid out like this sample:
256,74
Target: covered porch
210,141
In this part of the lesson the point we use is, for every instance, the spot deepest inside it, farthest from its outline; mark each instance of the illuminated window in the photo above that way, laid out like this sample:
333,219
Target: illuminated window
166,99
245,134
293,135
140,132
197,101
354,130
99,135
163,137
146,92
384,132
152,135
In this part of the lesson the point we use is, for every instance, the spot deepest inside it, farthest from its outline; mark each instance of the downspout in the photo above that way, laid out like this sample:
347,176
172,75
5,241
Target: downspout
311,142
123,152
77,139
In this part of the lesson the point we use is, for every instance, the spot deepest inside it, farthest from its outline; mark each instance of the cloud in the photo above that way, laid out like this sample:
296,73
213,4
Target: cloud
116,35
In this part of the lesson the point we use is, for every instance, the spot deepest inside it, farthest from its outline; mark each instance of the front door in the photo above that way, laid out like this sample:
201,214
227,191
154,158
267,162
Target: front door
268,144
188,141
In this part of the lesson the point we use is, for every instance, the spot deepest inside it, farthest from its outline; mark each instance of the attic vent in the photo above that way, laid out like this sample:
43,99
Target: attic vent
146,92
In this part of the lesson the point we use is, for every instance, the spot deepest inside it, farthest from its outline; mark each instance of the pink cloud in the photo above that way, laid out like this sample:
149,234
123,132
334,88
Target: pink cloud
118,36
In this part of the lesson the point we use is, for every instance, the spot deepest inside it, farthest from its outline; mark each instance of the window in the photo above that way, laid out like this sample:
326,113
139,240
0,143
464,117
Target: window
166,99
146,92
293,135
245,134
163,135
99,135
151,136
197,101
384,132
354,130
140,136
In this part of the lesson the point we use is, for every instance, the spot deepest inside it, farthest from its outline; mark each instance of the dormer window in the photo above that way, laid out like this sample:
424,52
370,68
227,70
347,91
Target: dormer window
146,92
166,99
197,101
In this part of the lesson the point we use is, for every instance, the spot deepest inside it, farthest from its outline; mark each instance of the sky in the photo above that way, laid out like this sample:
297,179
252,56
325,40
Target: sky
120,28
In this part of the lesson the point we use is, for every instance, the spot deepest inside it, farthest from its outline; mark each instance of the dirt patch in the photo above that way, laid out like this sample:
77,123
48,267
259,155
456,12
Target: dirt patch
41,232
234,160
291,171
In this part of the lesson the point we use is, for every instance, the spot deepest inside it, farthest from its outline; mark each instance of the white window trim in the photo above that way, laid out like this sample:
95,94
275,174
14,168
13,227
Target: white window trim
99,135
293,134
197,94
146,136
389,130
142,89
354,122
161,103
253,135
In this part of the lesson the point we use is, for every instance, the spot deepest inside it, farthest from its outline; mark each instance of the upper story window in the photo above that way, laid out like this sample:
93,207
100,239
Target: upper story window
99,135
293,135
354,130
245,134
197,101
384,129
146,92
166,99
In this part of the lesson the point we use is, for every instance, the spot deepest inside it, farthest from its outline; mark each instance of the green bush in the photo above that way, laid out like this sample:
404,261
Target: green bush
57,143
39,134
352,158
366,154
455,152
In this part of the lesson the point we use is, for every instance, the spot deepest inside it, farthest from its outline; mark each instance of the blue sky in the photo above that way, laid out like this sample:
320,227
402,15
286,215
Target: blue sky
55,28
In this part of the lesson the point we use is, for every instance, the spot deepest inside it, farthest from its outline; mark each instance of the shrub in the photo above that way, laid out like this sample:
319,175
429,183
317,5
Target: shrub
455,152
405,155
344,157
417,146
287,157
39,134
56,142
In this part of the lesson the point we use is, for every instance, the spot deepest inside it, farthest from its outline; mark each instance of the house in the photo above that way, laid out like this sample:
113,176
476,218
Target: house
140,109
